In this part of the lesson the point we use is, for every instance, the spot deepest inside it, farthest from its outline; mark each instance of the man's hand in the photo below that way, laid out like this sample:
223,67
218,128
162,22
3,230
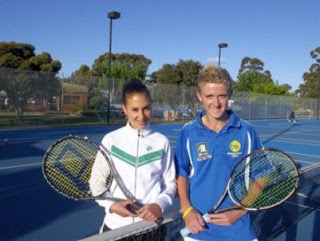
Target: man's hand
226,218
194,222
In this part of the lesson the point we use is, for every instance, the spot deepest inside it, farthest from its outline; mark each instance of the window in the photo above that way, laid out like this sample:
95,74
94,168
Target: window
71,100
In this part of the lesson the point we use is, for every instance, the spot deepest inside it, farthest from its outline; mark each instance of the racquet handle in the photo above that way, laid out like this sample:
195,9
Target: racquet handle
185,231
134,207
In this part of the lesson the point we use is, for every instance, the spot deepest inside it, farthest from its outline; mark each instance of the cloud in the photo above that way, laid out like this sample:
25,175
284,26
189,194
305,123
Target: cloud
214,60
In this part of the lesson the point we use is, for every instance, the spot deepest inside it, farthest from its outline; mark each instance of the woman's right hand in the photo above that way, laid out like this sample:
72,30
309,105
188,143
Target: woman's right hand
121,209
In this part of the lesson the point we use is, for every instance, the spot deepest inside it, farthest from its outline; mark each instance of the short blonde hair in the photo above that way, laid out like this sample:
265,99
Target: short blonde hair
213,74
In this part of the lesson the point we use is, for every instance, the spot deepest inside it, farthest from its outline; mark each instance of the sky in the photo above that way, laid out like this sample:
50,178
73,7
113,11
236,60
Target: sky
281,33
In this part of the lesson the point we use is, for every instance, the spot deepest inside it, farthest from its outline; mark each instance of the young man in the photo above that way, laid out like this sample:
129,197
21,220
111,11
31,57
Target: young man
207,150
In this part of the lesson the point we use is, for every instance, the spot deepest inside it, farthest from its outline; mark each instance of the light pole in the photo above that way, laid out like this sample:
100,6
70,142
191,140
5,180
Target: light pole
221,45
318,94
111,15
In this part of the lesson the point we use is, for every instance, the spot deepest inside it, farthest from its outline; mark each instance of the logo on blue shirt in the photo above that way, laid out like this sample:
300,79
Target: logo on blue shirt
202,150
235,147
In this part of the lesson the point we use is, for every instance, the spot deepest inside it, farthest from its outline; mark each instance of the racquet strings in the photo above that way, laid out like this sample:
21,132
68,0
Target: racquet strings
276,167
68,164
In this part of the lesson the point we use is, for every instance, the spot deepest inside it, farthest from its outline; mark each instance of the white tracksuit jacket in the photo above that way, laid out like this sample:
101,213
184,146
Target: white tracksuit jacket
144,161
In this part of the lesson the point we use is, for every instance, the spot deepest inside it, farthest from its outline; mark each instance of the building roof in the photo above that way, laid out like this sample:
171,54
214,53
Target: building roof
74,88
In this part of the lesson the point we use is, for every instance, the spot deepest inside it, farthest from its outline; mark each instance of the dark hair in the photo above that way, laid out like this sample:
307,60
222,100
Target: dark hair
134,86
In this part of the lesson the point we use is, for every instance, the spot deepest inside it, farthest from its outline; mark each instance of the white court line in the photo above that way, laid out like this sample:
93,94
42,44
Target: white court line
19,166
304,161
293,132
306,197
304,141
301,142
301,132
301,154
302,205
54,138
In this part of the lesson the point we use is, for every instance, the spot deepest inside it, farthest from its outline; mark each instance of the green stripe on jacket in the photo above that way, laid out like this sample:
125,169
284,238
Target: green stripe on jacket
131,160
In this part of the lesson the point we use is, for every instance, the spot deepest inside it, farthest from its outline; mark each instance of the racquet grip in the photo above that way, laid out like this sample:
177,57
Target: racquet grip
185,231
133,207
136,206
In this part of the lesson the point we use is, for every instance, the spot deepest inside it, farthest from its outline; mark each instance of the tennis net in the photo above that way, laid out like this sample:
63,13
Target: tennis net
268,224
145,231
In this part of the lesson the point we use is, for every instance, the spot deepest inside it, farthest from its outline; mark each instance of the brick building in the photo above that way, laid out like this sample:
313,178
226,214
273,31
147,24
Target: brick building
72,94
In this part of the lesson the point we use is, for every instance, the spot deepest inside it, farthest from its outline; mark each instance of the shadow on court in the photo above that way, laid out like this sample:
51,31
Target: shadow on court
29,208
270,224
278,134
20,150
27,203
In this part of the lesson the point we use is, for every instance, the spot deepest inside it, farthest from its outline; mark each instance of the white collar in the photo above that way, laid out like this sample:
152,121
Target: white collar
143,132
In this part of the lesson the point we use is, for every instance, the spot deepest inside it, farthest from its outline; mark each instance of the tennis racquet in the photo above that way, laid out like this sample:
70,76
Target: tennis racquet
67,168
261,180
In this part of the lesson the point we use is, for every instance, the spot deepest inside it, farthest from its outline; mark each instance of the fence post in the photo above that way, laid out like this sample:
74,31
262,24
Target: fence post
318,93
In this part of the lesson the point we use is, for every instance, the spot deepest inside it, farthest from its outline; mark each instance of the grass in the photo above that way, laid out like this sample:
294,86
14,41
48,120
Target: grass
8,120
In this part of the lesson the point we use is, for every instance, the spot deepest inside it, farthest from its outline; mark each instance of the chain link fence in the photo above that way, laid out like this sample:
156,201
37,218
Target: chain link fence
247,105
28,91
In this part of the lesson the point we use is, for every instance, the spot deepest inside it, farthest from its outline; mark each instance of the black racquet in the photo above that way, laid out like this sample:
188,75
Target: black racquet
261,180
67,168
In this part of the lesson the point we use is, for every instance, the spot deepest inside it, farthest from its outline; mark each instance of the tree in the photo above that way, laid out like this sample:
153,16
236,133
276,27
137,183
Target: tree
270,88
177,82
251,65
310,87
247,80
315,54
189,71
123,68
168,74
251,73
25,75
85,76
166,91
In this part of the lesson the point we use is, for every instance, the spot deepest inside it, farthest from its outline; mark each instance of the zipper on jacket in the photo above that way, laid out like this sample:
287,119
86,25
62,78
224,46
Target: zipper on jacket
136,165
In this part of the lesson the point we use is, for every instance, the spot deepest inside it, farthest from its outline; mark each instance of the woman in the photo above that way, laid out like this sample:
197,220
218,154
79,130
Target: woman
142,159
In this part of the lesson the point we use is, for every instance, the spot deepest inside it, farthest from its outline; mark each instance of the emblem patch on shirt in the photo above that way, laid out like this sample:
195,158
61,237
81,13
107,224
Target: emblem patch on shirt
202,149
235,147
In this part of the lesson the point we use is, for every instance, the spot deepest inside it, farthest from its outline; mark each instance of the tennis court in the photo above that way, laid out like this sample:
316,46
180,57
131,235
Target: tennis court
31,210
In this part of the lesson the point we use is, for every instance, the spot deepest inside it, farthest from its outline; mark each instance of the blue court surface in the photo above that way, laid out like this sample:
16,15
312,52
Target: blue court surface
31,210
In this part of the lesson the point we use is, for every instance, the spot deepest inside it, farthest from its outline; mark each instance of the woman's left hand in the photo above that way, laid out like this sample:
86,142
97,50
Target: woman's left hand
150,212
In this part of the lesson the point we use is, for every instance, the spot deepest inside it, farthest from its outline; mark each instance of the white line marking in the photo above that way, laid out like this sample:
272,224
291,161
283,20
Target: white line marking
20,166
301,154
301,142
